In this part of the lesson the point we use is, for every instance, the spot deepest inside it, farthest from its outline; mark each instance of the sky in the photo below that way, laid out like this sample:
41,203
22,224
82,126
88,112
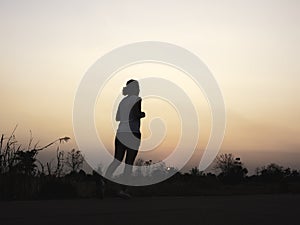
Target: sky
251,47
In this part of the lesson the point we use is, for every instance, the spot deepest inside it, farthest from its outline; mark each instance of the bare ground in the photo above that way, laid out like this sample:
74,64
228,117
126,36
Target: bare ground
252,210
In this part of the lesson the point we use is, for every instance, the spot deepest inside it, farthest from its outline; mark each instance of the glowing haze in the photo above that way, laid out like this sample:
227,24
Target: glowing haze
251,47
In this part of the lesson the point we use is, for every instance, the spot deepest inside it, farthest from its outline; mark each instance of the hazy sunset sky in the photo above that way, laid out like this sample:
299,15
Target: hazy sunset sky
251,47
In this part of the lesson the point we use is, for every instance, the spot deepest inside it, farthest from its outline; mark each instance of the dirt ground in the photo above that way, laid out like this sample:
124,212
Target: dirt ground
252,210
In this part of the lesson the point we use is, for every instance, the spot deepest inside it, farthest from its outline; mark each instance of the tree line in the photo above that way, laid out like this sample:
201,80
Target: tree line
24,176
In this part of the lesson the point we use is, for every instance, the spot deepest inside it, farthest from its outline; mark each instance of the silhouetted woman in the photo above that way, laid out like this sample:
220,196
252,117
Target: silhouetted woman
128,137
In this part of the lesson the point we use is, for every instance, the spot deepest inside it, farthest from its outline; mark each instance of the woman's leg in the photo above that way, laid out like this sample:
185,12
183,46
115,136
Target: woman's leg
131,154
130,158
118,157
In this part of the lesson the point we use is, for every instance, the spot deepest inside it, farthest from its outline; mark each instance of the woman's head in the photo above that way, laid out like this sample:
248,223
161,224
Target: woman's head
131,88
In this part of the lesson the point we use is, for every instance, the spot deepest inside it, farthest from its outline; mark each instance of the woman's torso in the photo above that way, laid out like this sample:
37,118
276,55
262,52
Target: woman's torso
127,122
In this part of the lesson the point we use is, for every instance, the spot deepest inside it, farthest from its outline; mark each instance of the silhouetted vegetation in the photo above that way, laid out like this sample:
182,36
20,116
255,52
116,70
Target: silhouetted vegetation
232,170
23,176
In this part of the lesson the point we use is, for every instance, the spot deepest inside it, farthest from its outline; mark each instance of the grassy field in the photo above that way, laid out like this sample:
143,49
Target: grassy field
250,209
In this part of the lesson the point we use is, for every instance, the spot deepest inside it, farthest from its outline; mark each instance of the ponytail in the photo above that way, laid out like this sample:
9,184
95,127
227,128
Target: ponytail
125,90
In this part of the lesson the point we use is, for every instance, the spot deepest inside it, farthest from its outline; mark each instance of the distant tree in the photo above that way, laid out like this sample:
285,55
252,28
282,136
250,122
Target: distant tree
295,173
148,162
231,169
196,172
139,162
273,172
74,160
143,168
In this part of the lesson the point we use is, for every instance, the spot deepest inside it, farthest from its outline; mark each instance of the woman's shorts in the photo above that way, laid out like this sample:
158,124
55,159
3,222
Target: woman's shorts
129,140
